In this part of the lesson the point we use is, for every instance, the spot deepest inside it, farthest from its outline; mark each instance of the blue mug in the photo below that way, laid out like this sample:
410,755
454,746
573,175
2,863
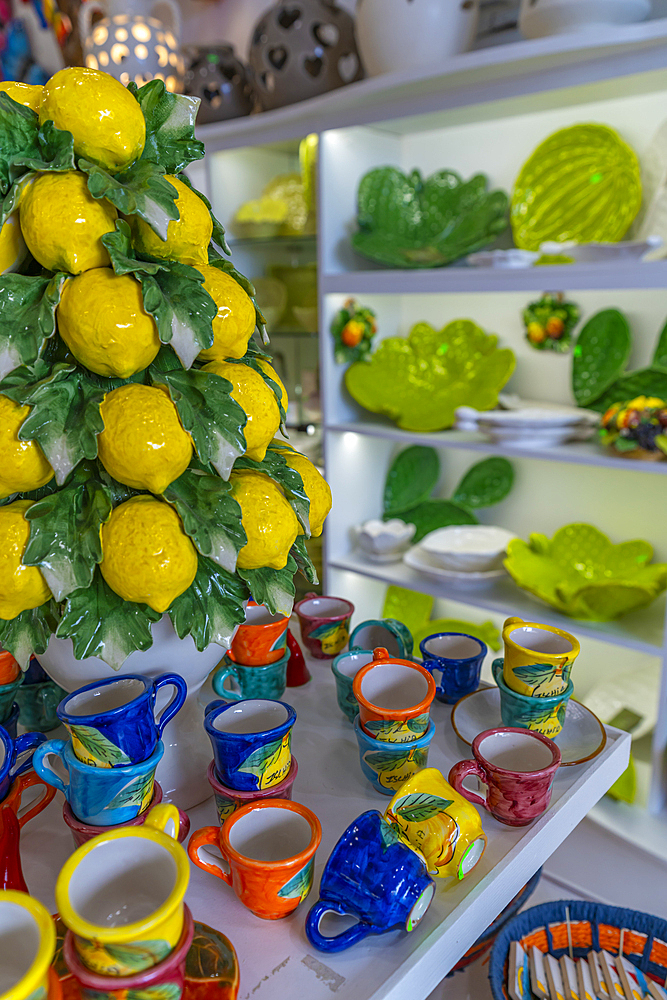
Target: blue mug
388,765
16,756
112,722
251,742
373,876
458,659
99,796
389,633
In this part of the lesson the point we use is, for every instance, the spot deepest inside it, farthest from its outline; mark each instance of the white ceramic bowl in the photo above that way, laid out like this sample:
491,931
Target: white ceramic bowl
473,548
384,541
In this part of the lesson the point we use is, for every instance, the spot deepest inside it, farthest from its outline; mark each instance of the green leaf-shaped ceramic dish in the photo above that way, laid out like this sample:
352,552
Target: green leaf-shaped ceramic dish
420,380
406,221
581,573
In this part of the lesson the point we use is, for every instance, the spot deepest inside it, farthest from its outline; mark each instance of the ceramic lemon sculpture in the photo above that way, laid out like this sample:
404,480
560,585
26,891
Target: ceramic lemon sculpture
140,474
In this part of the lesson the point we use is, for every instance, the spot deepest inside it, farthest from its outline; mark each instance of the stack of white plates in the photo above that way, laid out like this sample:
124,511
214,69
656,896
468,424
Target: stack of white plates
531,426
467,555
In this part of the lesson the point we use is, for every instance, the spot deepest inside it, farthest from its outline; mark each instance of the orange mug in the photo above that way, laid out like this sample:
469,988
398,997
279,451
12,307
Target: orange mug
14,797
261,639
394,698
9,668
269,848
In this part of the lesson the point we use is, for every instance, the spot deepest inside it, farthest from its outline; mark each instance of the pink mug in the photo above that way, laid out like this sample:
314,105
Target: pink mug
518,767
325,624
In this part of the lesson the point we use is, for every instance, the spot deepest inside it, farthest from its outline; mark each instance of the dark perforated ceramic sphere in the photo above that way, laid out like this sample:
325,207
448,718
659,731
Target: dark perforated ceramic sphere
220,80
302,49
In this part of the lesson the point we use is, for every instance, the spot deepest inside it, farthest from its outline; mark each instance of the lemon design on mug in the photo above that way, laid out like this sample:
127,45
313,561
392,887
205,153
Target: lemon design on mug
92,747
224,806
425,825
542,679
332,637
270,763
121,959
393,769
398,732
300,884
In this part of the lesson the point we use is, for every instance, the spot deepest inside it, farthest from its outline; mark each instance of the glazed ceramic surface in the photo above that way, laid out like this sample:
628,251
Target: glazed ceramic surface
16,756
384,541
388,765
394,698
99,796
251,742
11,872
34,805
518,768
373,876
387,633
261,639
470,548
121,895
83,832
544,714
269,848
345,668
325,624
11,722
112,722
27,944
8,697
228,800
458,659
9,668
267,681
435,820
419,559
538,658
37,706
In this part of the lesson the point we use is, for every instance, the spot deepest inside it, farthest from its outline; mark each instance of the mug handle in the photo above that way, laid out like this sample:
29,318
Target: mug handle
220,676
45,771
166,819
207,835
461,771
513,621
25,813
178,699
497,665
339,941
25,744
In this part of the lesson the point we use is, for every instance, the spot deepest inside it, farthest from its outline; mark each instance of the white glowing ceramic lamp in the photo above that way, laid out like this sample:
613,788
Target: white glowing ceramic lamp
135,40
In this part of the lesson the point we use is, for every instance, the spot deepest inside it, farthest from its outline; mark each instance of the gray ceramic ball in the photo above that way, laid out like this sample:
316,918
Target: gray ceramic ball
220,81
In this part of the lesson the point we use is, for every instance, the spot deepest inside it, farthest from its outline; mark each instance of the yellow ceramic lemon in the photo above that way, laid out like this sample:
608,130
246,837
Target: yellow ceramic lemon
21,587
101,318
235,321
30,95
62,223
187,237
105,120
146,555
269,521
23,466
13,250
143,443
257,401
316,487
273,374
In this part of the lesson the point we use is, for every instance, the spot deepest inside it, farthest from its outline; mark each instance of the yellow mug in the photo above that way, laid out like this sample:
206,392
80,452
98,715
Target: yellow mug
538,658
438,823
121,895
27,946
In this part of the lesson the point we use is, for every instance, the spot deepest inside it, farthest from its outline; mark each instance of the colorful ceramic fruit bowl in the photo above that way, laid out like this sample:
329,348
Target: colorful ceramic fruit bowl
581,573
636,429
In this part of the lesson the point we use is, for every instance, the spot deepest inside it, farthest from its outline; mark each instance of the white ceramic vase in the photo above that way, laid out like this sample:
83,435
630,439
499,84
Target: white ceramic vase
400,35
187,750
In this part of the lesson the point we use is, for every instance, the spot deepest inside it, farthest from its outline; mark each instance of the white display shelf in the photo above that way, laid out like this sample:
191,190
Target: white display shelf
277,962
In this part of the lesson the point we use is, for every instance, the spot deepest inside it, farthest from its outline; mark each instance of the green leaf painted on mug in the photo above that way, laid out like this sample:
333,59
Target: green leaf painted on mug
420,806
535,673
165,991
390,833
419,723
98,746
135,956
299,885
134,792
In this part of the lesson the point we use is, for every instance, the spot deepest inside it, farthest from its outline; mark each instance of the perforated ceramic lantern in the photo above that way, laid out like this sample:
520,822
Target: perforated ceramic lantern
300,49
220,81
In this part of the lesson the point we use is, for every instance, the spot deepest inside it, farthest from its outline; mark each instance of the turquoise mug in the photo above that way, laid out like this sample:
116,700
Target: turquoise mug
268,681
389,633
345,668
8,697
544,715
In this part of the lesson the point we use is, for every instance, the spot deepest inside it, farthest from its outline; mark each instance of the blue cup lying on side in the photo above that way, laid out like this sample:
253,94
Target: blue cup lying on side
388,765
372,876
112,722
389,633
16,756
99,796
345,668
458,659
251,742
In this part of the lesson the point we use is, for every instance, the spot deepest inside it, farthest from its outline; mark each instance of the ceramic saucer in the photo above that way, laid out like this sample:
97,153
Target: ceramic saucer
581,738
417,558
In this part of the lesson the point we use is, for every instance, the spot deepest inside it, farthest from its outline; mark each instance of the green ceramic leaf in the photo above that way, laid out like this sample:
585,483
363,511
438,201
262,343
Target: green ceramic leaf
53,152
418,724
163,991
409,222
29,632
299,553
419,381
170,127
27,317
643,382
486,631
322,631
259,760
122,254
18,132
411,478
182,308
12,199
485,483
433,514
210,515
409,607
141,190
209,414
100,623
421,806
98,746
600,355
211,608
274,465
133,793
65,536
390,834
211,956
300,884
660,354
272,587
535,673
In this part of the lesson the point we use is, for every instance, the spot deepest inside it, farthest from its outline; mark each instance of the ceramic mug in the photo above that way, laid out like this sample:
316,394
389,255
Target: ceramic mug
164,980
112,722
345,668
544,715
38,704
27,946
9,668
268,681
99,796
121,895
518,768
394,698
228,800
13,817
83,832
373,876
8,697
261,639
16,756
389,633
269,848
11,722
325,624
251,742
458,658
538,658
435,820
388,765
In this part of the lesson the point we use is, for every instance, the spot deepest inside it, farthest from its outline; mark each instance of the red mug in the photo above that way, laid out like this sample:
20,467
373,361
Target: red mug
518,767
